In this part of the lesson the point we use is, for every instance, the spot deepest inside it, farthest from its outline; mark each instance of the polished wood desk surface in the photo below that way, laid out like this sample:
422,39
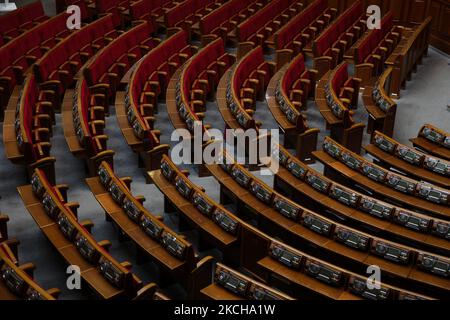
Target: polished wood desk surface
430,147
127,130
70,135
216,292
373,110
279,116
370,223
302,280
171,103
189,211
221,98
411,170
117,214
67,250
395,196
328,244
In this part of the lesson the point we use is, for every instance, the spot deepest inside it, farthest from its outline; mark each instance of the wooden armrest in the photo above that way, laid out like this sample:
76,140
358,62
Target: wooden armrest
87,224
105,244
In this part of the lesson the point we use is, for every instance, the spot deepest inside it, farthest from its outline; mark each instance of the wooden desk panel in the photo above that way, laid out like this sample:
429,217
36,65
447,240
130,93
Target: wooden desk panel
296,188
390,161
216,292
429,147
383,191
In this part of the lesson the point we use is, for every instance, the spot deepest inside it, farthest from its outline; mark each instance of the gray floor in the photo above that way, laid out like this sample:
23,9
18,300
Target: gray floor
424,101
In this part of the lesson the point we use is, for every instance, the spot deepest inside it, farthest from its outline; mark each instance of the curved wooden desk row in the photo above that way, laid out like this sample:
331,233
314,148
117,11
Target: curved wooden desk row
370,53
286,94
105,70
246,246
174,256
330,47
259,27
220,22
358,210
381,108
390,153
84,121
16,281
57,219
28,128
58,68
259,254
15,23
336,92
395,188
228,284
17,56
408,55
434,141
241,86
297,34
136,107
324,238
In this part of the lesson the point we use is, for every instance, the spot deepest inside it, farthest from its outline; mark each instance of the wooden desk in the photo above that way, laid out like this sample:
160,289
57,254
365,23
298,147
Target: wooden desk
221,98
89,273
334,167
390,161
303,281
216,292
127,131
431,148
313,243
301,192
171,104
171,267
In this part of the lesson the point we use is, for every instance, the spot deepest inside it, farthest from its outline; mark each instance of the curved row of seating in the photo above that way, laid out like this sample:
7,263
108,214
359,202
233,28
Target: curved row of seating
174,256
304,28
57,218
97,88
58,68
358,210
259,254
198,80
259,27
370,53
427,198
17,279
149,81
21,20
220,22
325,238
287,94
379,105
104,73
336,94
390,153
433,140
19,54
247,82
189,12
151,10
330,47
